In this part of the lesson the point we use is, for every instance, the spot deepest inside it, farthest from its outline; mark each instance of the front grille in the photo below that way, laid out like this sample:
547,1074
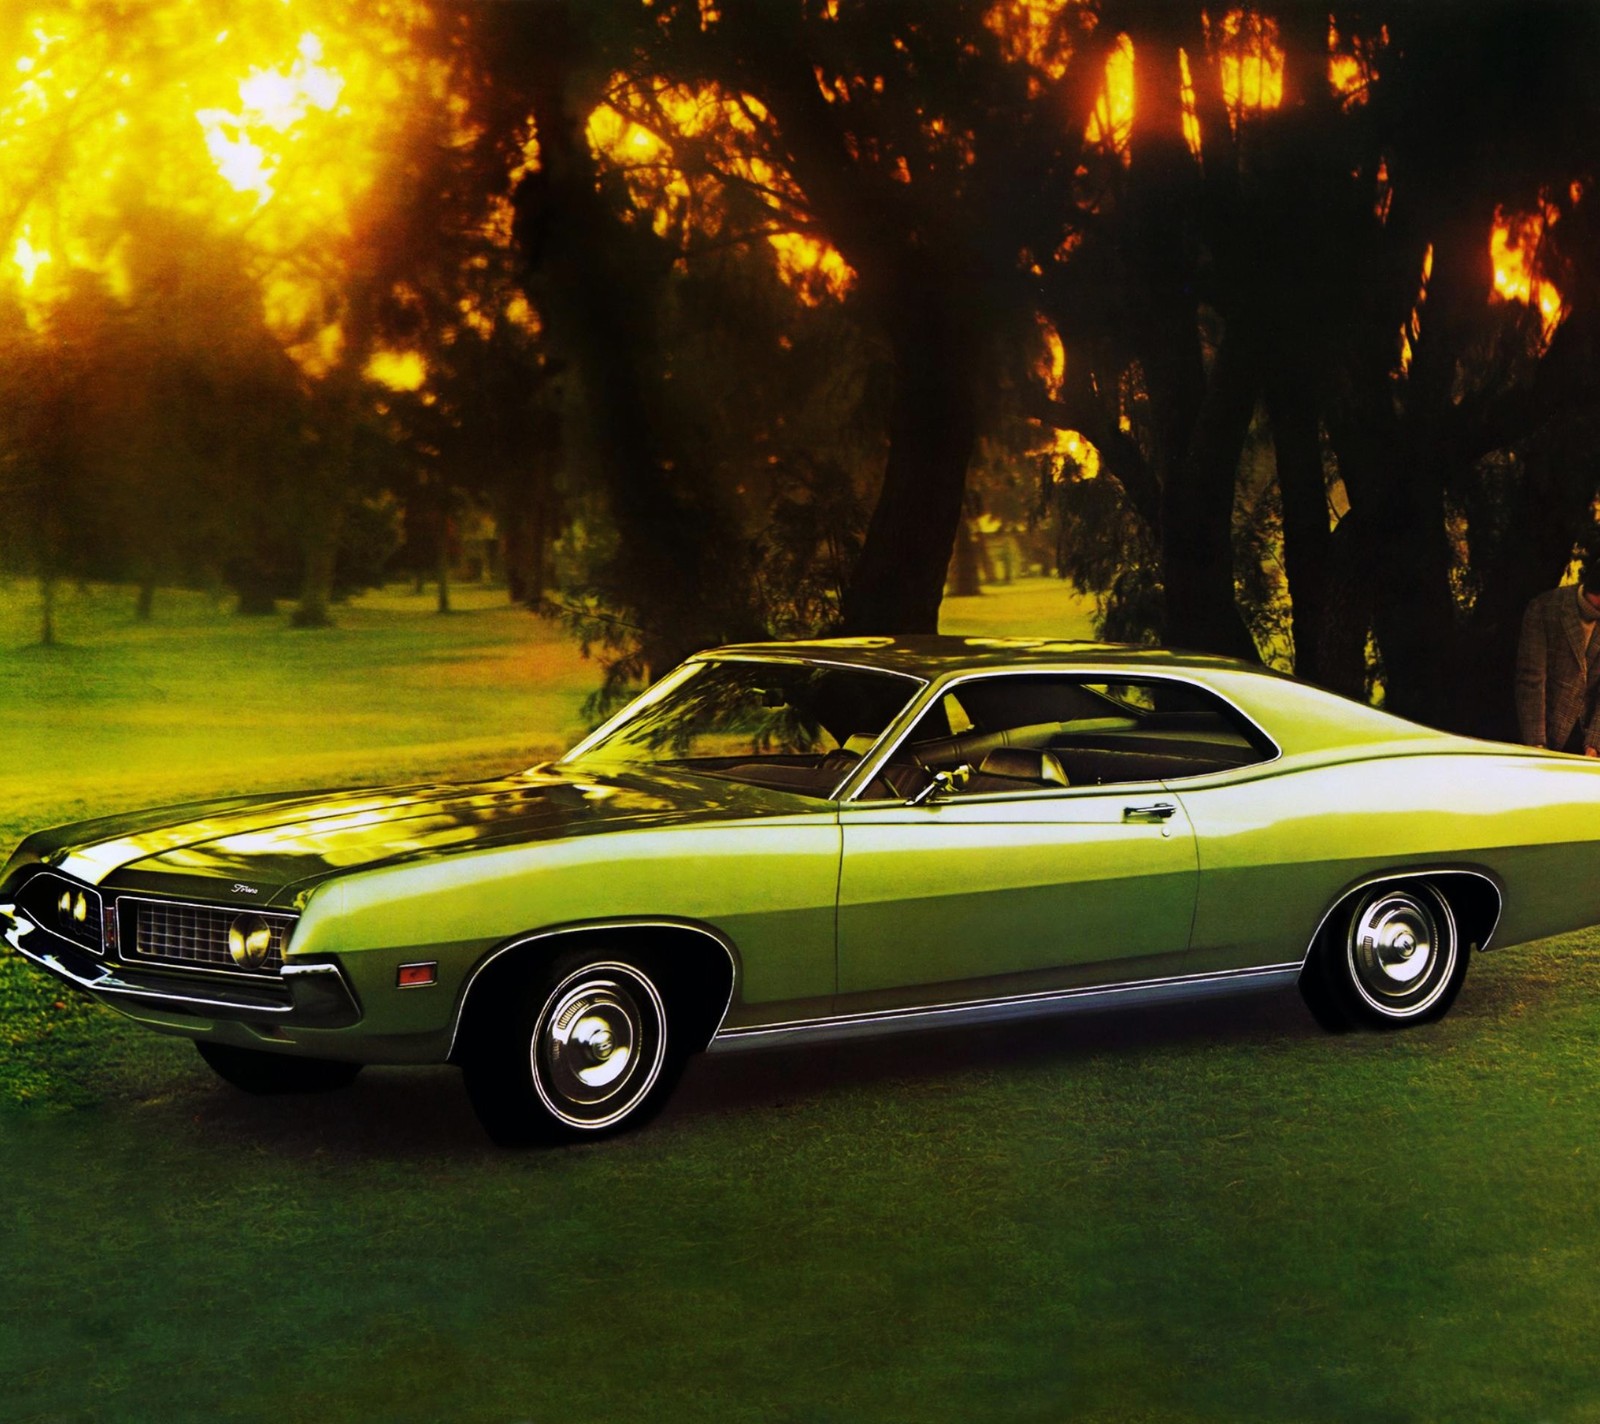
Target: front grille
198,934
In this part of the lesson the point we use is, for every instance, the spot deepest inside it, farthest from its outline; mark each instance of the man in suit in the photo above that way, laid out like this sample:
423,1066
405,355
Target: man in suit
1558,665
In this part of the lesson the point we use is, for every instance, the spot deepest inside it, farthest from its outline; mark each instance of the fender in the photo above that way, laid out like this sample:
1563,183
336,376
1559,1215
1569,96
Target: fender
590,927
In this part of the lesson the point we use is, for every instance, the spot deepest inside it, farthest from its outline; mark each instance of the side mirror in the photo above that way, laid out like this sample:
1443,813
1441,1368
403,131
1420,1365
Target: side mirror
942,783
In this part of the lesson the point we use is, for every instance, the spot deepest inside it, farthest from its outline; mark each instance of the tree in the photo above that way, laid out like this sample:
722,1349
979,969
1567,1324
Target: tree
264,146
1319,267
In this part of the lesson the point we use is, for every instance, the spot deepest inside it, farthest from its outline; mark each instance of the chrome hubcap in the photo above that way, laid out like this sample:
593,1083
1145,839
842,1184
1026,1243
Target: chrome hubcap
1402,948
599,1045
590,1040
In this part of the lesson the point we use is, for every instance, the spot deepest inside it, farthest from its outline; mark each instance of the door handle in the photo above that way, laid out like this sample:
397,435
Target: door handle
1151,813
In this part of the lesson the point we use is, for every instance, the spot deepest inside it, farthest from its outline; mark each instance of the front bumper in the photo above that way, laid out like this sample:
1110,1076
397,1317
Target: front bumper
301,996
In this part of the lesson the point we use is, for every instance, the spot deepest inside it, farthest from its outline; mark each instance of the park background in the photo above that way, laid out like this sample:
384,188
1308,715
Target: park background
386,388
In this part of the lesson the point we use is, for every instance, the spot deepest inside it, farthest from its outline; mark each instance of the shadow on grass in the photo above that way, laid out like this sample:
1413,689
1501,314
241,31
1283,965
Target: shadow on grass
417,1113
763,1078
401,1114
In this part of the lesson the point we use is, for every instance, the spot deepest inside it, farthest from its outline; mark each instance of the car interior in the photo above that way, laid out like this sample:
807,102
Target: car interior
1035,732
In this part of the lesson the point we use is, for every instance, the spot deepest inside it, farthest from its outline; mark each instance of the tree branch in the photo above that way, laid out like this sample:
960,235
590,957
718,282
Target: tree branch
1120,455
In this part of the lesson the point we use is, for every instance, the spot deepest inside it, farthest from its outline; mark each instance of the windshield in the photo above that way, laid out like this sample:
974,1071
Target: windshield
789,725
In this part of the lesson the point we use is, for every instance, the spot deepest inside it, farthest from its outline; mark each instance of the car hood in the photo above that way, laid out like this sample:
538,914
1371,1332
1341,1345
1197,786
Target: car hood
272,850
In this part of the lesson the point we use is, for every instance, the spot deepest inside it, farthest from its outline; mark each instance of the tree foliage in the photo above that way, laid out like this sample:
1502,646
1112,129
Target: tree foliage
739,317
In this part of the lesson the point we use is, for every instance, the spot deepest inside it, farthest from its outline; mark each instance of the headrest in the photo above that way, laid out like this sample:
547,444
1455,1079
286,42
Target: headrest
1025,764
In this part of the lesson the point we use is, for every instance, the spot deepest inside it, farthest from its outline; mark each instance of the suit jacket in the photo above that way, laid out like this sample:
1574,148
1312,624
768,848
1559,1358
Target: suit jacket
1556,679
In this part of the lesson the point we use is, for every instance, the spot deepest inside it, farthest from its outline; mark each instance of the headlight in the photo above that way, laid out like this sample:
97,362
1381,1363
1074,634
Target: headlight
249,941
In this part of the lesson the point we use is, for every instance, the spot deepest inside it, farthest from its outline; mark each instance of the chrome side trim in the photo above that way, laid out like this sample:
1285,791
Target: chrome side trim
869,766
591,927
300,971
1135,992
1385,876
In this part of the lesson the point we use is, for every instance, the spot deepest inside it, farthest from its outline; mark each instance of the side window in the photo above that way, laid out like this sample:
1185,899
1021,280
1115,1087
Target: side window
1039,732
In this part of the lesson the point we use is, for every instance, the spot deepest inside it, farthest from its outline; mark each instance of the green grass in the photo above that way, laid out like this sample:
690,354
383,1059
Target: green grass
123,714
1211,1213
1028,608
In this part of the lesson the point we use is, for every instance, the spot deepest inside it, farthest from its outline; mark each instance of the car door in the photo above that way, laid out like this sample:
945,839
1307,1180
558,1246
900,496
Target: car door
982,897
986,892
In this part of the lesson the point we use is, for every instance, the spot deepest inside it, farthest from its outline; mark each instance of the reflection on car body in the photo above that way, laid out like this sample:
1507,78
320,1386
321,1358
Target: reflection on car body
784,843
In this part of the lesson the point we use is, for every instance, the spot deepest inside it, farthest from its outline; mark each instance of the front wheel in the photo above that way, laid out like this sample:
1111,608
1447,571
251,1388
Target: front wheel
1393,957
584,1053
252,1071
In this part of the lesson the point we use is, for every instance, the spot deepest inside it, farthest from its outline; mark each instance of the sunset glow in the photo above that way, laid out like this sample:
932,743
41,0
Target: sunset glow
271,102
28,259
1191,117
1352,64
1514,242
1411,331
1250,62
269,140
641,133
812,268
1052,365
1075,456
398,370
1079,458
1111,123
1029,34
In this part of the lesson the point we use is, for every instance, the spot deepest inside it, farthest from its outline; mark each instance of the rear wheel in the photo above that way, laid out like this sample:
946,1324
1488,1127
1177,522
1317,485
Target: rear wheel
583,1052
255,1072
1390,958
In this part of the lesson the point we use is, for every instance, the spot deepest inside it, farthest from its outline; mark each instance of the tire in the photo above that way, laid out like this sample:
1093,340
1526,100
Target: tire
252,1071
1391,958
583,1052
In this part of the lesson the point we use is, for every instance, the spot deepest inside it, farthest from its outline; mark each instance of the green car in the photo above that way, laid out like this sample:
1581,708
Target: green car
787,843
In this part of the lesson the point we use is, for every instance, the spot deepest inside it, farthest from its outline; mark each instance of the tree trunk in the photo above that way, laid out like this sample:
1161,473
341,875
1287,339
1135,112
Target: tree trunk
323,495
1197,514
1297,443
595,282
316,587
1341,640
1415,618
144,608
964,581
47,608
899,578
1160,221
256,596
929,300
321,518
526,525
442,569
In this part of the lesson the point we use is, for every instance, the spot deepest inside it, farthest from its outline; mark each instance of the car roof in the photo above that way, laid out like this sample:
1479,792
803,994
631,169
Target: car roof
935,655
1297,716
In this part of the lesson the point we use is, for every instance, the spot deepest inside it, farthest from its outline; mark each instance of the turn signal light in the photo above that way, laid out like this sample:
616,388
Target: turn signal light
416,976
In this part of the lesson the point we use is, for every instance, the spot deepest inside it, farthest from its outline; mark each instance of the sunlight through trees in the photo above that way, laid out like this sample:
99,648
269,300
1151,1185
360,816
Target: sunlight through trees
1272,327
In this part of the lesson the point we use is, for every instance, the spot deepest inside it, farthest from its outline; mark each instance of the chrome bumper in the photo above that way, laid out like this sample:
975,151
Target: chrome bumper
303,995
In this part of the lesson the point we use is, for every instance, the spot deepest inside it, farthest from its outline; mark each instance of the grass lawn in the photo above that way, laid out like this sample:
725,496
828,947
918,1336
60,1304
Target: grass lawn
1210,1213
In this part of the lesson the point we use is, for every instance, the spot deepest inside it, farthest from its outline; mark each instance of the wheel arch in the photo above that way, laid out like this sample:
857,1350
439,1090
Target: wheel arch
1474,895
698,966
